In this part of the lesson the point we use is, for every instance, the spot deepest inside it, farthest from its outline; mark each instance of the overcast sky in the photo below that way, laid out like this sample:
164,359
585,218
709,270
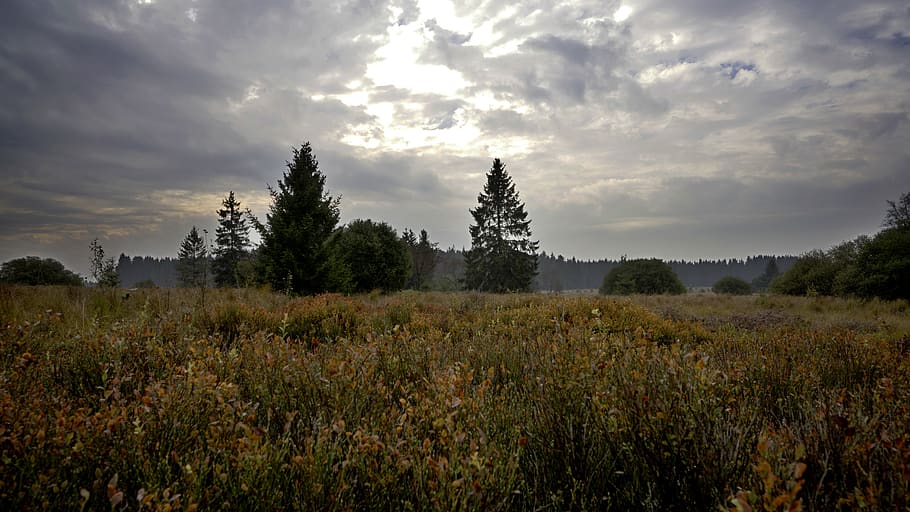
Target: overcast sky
676,129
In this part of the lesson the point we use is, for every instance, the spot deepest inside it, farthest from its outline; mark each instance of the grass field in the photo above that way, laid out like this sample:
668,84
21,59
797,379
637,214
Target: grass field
451,401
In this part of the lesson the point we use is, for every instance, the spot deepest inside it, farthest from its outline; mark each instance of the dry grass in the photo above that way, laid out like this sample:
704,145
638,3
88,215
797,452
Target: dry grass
451,401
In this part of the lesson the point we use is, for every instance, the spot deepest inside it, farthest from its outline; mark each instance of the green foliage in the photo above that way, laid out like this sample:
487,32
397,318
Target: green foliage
762,282
232,242
812,274
104,270
832,272
365,256
502,257
192,260
146,283
883,265
644,276
32,270
731,285
301,218
864,267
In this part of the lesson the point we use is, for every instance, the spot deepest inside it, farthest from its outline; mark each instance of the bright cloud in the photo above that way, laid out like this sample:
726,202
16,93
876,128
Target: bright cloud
692,128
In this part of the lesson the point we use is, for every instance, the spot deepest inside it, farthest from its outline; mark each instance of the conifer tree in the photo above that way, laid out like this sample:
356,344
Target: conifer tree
300,219
423,258
192,260
502,257
232,242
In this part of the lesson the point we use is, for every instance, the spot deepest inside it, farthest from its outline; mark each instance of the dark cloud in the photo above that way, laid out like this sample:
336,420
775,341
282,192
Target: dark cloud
691,128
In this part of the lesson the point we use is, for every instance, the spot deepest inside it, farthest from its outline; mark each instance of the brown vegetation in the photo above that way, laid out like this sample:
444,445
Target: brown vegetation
450,401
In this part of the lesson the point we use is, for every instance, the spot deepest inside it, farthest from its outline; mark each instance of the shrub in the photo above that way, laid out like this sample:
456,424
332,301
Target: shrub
645,276
731,285
812,274
883,265
832,272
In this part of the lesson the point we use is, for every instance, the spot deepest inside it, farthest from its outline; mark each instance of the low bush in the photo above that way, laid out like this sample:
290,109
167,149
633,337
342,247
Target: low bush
644,276
730,285
451,401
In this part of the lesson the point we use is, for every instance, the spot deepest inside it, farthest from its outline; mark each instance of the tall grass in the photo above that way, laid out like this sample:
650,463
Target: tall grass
450,401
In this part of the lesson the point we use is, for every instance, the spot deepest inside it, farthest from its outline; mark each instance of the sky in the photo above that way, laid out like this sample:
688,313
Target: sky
680,129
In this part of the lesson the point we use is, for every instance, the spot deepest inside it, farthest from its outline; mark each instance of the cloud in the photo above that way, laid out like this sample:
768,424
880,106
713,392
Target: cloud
673,128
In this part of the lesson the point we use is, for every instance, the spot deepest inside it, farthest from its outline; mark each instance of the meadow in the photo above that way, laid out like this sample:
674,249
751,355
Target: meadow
451,401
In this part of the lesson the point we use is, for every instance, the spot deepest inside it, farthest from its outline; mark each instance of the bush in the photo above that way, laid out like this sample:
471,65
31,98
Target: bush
883,265
730,285
367,255
832,272
812,274
645,276
34,271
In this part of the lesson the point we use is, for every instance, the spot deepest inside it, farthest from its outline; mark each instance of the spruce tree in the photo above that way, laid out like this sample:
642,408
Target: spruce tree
192,260
502,257
300,219
232,241
423,258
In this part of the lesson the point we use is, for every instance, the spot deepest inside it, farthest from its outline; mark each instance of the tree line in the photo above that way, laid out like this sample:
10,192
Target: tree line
304,251
876,266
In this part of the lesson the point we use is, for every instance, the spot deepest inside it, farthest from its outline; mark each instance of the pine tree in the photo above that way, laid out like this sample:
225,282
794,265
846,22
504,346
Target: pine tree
423,258
192,261
300,219
232,242
502,257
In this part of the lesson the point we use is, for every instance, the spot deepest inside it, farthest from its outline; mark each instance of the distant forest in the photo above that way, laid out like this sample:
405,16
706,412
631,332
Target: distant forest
555,273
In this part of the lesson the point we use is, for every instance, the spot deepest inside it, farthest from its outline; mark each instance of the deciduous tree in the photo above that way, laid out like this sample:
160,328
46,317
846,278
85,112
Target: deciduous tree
365,256
104,270
34,271
645,276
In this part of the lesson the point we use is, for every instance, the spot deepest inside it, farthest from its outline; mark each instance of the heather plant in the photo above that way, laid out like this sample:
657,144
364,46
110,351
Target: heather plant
457,401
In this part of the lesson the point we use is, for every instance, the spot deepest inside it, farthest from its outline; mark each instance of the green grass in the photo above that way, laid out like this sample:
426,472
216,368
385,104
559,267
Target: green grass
451,401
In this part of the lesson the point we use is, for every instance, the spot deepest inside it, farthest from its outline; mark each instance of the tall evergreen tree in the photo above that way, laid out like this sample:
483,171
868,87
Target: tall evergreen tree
232,242
192,262
300,219
424,260
502,257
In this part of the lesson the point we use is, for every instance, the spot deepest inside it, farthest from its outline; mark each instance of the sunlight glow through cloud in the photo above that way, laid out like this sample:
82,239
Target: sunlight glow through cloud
397,63
615,114
622,14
